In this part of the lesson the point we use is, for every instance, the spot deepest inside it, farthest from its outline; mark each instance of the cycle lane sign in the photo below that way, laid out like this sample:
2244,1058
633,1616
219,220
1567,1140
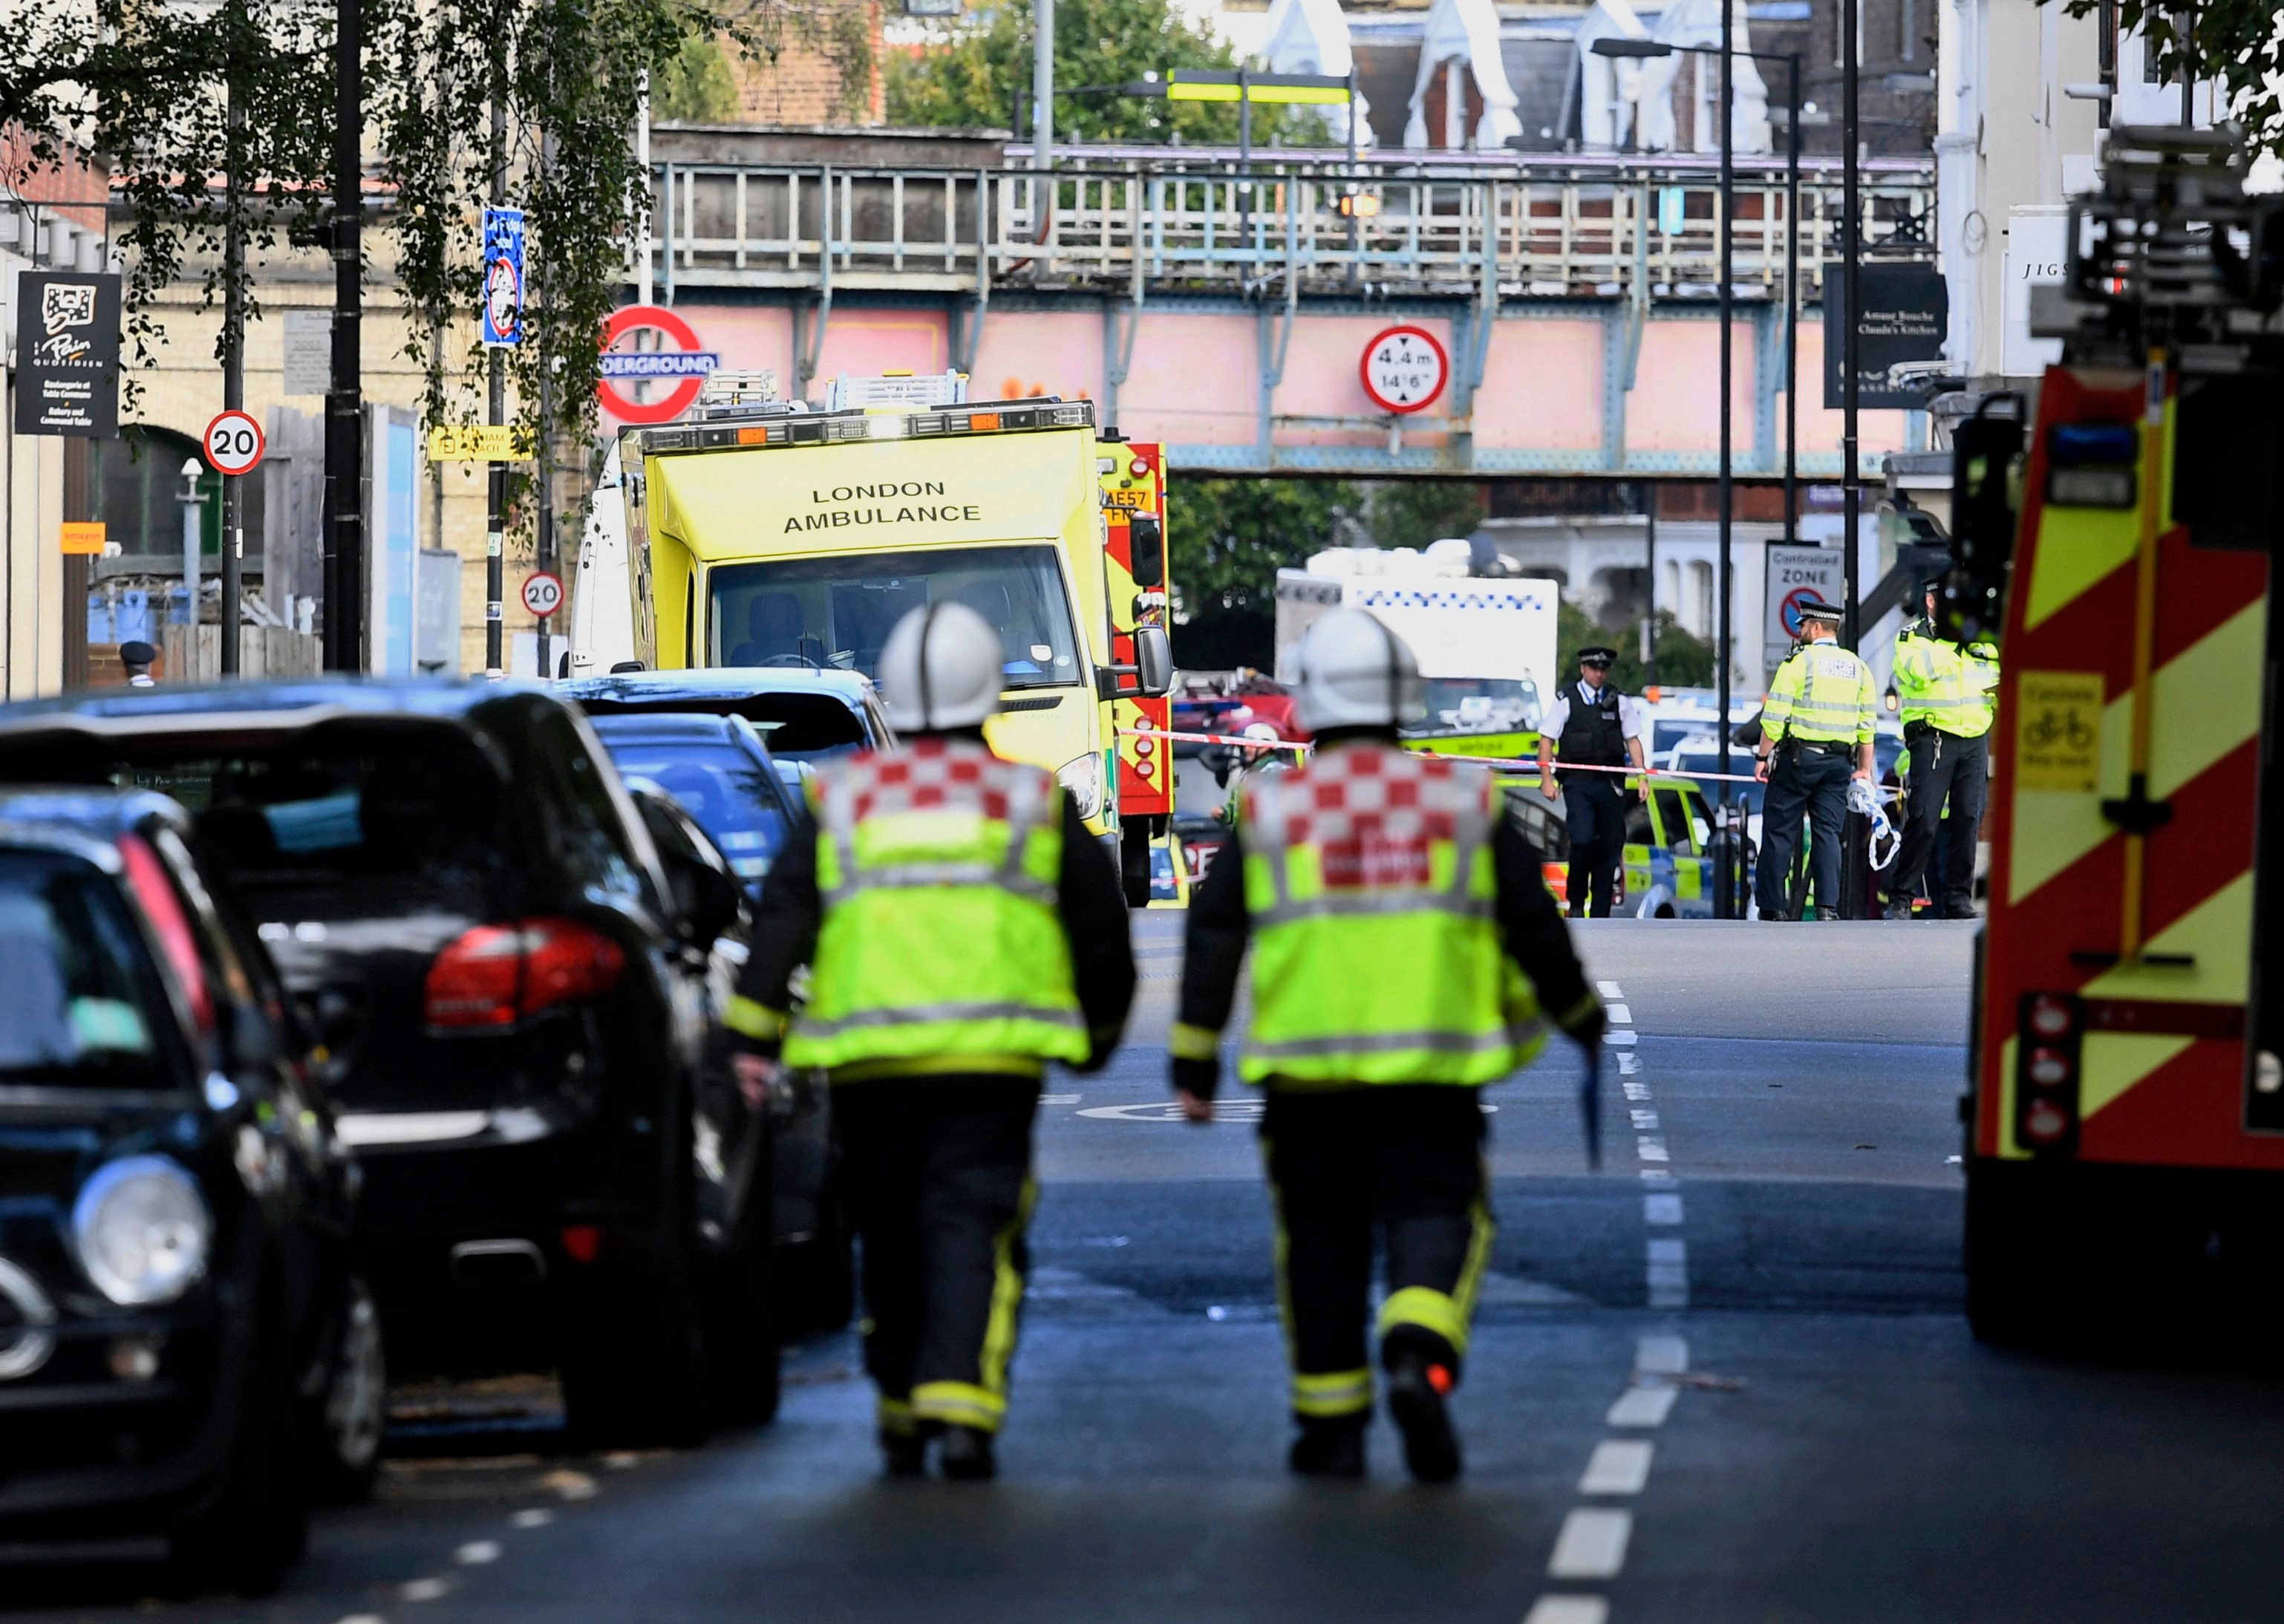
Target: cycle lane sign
2058,730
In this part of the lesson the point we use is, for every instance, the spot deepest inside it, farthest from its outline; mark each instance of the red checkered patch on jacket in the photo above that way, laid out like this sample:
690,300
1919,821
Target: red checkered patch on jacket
1373,815
932,775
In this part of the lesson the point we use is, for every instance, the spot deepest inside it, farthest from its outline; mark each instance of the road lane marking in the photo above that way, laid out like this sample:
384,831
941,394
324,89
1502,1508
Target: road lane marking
1568,1610
1664,1207
1636,1090
1621,1015
537,1516
1592,1543
1618,1466
1060,1099
1646,1120
1649,1149
1669,1251
1609,989
1620,1040
1656,1175
1661,1355
426,1590
570,1485
1628,1064
476,1553
1643,1407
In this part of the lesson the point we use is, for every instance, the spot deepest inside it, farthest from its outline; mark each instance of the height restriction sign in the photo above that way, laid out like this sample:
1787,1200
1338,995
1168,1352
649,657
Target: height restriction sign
1405,369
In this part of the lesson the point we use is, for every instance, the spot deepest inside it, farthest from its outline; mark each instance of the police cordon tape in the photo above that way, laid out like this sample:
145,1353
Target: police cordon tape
1514,762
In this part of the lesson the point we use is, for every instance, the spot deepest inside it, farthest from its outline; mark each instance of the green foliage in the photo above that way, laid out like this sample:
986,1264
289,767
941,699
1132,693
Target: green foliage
1684,659
969,75
1231,536
696,87
2238,42
1414,513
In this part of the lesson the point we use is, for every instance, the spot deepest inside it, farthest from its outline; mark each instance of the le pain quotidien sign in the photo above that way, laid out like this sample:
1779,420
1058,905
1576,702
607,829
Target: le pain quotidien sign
67,354
890,502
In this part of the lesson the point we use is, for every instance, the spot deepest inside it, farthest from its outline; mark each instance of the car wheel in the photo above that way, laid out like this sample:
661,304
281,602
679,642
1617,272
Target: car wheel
346,1438
633,1359
255,1525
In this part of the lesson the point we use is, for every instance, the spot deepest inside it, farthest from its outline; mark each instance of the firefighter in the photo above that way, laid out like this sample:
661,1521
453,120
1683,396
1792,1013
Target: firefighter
1816,734
1944,695
1592,724
1405,946
965,929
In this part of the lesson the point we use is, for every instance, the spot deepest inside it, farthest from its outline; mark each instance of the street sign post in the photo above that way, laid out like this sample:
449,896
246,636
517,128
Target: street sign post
1794,575
233,443
543,592
1405,369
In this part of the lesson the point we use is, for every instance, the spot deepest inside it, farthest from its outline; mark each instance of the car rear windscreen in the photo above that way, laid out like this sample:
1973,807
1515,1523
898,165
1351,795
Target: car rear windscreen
793,725
729,792
82,1005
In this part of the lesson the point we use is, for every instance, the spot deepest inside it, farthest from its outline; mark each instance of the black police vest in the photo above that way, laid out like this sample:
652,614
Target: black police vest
1593,736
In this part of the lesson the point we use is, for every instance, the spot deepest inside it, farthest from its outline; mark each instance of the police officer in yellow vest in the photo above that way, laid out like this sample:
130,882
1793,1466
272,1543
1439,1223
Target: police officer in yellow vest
1405,952
1816,734
1947,695
964,929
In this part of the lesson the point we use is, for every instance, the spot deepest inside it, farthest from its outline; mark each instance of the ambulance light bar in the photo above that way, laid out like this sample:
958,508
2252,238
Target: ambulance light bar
850,428
847,393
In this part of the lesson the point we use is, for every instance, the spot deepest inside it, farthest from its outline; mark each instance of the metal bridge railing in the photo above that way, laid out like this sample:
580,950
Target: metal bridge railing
1565,230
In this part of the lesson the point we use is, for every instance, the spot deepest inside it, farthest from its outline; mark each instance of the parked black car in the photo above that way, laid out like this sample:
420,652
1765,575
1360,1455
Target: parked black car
184,1346
718,769
514,986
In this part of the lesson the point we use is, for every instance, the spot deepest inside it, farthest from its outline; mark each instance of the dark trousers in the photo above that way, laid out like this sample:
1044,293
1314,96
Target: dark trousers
1946,769
939,1178
1595,809
1406,1162
1814,782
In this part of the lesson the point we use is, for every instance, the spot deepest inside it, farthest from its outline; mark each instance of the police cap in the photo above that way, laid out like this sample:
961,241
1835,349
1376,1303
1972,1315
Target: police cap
1816,609
1601,656
136,653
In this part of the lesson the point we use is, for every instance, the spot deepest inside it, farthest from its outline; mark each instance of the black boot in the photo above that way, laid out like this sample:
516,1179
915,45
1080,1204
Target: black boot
903,1454
1330,1448
968,1455
1416,1387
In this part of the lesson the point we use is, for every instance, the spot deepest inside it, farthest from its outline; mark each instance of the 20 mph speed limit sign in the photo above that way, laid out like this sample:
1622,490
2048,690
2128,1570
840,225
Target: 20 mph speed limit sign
233,443
543,593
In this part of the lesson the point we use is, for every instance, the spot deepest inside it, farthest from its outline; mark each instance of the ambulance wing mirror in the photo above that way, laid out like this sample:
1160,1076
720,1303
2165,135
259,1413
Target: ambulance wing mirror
1985,499
1154,661
1147,537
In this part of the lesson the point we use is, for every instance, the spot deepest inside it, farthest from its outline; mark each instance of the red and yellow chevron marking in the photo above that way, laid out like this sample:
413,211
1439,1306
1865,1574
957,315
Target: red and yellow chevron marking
2164,1056
1135,483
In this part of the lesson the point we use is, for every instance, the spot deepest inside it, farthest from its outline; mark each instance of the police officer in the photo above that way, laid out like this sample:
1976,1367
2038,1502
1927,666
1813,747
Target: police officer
1405,948
1816,734
1945,697
964,929
1592,724
138,657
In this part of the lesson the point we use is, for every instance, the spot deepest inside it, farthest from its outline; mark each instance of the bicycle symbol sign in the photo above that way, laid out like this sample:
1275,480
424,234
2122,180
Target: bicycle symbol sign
2058,730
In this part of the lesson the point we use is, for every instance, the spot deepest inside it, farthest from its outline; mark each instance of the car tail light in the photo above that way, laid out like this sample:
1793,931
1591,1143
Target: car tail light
496,975
2046,1070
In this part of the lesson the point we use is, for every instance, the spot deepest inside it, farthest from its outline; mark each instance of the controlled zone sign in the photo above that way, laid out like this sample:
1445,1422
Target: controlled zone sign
686,366
233,443
543,592
1405,369
1795,575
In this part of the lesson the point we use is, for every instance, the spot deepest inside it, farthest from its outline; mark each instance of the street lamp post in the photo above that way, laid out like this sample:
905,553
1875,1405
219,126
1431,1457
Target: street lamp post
1726,903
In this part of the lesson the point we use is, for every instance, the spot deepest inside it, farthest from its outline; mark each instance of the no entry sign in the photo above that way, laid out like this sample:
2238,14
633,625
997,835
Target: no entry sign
233,443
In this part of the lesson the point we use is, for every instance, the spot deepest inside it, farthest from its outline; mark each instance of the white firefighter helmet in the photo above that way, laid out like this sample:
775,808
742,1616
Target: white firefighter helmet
941,668
1355,673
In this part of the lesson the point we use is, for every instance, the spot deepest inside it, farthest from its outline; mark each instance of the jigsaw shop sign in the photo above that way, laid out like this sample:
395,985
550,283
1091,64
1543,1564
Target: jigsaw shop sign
67,354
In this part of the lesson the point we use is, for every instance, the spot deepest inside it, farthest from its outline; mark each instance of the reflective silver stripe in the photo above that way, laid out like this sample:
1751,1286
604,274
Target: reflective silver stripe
1395,1042
895,876
922,1014
1354,902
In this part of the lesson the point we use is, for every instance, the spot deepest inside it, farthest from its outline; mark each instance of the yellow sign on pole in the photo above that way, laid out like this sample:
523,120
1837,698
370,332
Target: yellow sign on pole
479,442
2058,730
84,536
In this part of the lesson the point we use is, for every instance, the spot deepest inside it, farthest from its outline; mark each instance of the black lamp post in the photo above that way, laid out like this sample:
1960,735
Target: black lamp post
1726,903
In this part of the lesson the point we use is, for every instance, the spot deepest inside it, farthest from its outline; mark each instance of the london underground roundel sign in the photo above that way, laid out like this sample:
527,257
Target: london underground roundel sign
684,366
1405,369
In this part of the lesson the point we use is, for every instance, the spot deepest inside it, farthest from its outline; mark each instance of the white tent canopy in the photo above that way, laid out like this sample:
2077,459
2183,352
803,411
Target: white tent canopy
1463,36
1312,37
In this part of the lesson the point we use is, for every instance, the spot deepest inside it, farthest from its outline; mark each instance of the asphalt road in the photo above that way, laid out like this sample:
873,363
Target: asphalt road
1738,1391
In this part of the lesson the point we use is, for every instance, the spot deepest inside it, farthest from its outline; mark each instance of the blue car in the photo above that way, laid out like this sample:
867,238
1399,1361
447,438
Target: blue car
801,716
720,770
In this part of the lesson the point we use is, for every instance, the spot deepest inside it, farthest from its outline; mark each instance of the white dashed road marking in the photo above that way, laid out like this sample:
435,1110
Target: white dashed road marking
1664,1207
476,1553
1646,1120
1621,1016
1618,1466
1651,1150
1661,1355
1569,1609
427,1589
1608,989
1592,1545
537,1516
1643,1407
1622,1040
